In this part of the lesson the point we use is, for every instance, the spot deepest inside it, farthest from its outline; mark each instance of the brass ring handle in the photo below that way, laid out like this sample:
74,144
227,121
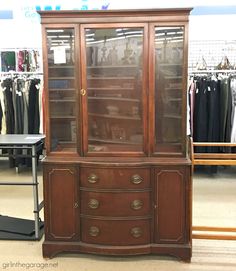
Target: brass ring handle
136,179
92,178
83,92
93,204
136,204
136,232
94,231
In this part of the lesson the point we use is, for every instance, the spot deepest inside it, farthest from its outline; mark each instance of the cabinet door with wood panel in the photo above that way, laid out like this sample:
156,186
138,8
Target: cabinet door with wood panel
61,203
171,201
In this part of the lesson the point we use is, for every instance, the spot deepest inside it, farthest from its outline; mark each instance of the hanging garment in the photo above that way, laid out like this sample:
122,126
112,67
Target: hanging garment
1,115
233,116
200,115
192,91
41,107
18,104
3,119
9,109
25,93
213,106
20,61
8,61
7,86
225,112
33,110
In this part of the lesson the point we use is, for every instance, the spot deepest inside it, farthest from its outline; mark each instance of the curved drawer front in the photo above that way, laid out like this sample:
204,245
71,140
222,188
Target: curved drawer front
115,232
127,178
115,203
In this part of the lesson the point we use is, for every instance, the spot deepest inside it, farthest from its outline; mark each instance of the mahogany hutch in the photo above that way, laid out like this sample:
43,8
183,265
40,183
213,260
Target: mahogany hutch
117,176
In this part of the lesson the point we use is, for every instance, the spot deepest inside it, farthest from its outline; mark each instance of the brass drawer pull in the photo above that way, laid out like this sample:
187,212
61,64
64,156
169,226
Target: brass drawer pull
92,178
136,204
136,232
93,204
136,179
94,231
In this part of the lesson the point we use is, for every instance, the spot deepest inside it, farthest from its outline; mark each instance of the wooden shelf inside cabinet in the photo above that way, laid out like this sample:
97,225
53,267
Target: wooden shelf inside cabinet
61,101
61,77
172,116
111,88
112,66
173,88
174,99
173,77
114,116
61,90
63,149
118,99
62,117
61,67
66,142
111,77
170,64
94,139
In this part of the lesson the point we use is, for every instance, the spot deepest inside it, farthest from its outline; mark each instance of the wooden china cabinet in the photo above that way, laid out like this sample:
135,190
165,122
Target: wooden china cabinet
117,177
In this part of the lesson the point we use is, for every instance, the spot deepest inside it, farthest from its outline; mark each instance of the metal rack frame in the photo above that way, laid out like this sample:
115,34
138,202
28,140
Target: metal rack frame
32,144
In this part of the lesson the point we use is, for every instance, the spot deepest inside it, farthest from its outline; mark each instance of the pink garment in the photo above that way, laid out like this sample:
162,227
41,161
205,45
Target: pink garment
192,91
20,59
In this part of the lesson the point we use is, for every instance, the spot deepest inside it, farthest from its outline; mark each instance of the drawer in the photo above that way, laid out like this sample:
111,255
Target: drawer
115,203
128,178
115,232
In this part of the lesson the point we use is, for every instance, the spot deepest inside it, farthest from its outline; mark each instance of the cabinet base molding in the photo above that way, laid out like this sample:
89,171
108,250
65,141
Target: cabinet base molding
182,252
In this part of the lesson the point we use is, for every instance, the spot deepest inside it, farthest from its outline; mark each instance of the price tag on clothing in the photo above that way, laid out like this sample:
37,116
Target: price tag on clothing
18,93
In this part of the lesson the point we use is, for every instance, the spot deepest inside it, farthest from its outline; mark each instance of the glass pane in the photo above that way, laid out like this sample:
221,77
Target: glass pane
114,84
61,88
168,88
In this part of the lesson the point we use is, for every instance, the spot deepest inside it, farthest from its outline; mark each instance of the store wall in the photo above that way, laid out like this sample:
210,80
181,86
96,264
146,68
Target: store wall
20,23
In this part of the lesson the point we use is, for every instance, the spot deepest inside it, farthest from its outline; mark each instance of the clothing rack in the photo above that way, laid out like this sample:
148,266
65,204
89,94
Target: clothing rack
14,72
210,71
11,74
20,49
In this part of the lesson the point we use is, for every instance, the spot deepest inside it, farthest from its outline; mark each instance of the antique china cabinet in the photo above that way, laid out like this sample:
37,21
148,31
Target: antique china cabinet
117,176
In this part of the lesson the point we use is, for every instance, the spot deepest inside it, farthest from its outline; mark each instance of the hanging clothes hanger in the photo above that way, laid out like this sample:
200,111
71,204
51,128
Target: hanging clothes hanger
224,64
201,64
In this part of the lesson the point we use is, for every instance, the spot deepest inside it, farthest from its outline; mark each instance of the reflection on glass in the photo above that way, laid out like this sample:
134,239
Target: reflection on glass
114,84
168,88
61,89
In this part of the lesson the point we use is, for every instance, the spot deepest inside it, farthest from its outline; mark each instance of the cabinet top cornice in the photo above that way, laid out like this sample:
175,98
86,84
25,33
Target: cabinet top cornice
148,13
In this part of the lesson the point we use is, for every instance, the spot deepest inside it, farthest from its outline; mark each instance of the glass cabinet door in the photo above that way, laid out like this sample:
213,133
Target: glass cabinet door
61,89
114,85
168,90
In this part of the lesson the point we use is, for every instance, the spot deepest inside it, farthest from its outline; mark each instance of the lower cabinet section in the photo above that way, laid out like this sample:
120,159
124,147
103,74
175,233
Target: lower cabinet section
131,210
